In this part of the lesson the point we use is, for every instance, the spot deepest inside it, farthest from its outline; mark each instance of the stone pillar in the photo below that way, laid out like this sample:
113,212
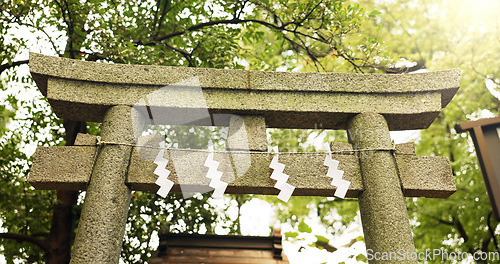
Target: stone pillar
383,210
247,132
102,223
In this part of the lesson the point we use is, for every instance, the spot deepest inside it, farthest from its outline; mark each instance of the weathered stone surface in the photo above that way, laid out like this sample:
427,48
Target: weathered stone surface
102,223
420,176
81,90
247,133
43,66
446,81
62,168
88,101
341,147
426,176
85,140
405,148
307,172
386,226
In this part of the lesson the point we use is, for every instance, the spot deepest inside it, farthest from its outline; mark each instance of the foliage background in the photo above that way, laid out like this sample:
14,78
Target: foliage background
397,36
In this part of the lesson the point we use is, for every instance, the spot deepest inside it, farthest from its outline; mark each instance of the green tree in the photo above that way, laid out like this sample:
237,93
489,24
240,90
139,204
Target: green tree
261,35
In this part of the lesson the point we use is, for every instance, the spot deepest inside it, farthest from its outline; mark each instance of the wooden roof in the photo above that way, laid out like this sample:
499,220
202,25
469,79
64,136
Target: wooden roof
214,249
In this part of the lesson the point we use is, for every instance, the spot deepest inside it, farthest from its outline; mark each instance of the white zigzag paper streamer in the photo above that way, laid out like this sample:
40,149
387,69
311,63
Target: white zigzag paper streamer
162,181
281,178
216,183
336,175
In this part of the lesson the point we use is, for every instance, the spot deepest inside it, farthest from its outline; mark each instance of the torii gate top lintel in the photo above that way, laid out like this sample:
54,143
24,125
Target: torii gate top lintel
80,90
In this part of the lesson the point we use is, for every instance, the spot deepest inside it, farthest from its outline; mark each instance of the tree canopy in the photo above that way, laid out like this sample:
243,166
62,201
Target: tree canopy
363,36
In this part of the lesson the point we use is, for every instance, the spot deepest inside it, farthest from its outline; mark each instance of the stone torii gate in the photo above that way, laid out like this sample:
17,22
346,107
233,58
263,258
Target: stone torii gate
368,106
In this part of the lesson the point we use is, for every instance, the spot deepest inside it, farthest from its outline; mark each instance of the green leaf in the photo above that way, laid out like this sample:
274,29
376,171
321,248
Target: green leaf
322,239
303,227
291,234
361,257
374,13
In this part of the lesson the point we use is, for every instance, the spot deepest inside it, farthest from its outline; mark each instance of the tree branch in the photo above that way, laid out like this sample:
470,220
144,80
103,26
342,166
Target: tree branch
441,221
461,229
26,238
485,243
309,13
455,223
151,41
156,14
241,9
351,61
6,66
164,12
297,46
183,53
44,32
279,28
